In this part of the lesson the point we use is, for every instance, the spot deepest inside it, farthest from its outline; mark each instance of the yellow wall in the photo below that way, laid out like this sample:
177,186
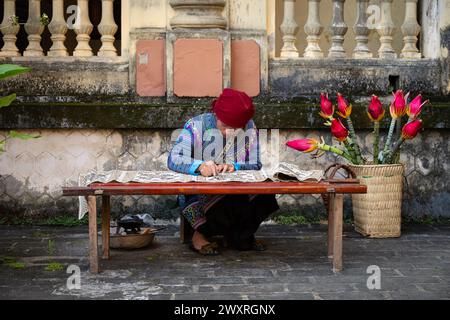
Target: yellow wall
247,14
259,15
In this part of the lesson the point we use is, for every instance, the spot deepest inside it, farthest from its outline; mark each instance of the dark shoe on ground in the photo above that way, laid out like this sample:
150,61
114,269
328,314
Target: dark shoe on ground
247,244
259,245
255,245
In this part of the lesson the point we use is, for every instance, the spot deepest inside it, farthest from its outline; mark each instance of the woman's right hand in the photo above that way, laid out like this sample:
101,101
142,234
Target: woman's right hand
208,169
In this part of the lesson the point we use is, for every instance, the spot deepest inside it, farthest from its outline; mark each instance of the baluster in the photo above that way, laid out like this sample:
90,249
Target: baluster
338,29
9,30
58,29
289,28
34,29
83,29
410,30
386,29
313,29
107,29
361,31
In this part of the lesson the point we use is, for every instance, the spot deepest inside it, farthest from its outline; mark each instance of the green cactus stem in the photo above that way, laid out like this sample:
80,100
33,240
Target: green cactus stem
354,143
389,139
395,151
350,149
376,143
326,147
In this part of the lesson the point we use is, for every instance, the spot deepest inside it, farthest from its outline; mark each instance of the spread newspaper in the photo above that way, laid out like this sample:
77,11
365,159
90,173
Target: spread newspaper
282,172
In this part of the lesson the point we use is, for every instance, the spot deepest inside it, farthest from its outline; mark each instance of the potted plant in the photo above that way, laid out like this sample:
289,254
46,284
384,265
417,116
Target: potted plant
377,213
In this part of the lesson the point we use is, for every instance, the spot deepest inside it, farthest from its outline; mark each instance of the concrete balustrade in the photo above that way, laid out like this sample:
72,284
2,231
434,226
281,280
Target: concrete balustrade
378,19
289,28
9,29
58,28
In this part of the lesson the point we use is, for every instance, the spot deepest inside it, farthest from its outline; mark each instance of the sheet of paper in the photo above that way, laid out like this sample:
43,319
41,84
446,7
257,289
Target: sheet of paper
283,172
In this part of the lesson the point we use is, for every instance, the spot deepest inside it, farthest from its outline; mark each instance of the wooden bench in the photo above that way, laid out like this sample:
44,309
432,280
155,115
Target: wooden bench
335,189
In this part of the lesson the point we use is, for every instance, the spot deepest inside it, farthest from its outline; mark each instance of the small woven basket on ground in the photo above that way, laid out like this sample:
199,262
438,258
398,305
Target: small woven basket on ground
377,213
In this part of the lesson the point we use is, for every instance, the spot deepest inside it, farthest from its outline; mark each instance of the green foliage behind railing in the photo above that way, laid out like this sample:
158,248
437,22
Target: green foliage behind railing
6,71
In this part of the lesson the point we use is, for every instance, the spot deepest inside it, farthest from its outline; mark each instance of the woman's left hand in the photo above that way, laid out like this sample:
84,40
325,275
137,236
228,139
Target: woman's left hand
225,168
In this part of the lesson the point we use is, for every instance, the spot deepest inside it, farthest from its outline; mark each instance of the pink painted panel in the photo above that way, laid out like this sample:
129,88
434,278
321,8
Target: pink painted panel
150,68
198,67
245,66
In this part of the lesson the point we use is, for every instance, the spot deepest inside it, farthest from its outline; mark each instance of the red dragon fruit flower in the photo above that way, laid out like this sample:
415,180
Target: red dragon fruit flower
415,107
344,109
303,145
411,129
375,110
398,105
327,108
338,130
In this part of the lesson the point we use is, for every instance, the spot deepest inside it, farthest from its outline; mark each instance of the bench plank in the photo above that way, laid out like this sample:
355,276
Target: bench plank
214,188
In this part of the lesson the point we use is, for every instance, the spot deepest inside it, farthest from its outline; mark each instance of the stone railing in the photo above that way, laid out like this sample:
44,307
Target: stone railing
380,20
58,28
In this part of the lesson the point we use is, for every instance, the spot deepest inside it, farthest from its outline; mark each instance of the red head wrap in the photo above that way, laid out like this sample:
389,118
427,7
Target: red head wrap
234,108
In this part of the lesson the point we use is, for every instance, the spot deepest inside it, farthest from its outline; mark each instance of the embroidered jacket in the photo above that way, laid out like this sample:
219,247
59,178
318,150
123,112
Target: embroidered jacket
199,141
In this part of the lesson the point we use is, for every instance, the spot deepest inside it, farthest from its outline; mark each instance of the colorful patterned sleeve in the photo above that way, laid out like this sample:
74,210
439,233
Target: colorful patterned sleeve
249,158
181,156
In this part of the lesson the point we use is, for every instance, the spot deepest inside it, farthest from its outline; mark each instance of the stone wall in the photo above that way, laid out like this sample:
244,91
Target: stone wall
33,171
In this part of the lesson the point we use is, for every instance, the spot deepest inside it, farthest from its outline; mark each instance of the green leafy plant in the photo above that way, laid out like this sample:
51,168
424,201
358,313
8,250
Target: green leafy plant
54,266
51,247
292,220
14,21
6,71
11,262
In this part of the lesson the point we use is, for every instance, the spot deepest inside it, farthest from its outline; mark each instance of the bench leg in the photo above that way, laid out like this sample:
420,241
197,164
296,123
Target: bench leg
186,230
93,234
338,208
331,198
106,217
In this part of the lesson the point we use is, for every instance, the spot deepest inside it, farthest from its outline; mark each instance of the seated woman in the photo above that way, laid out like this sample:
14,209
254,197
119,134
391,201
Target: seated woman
199,150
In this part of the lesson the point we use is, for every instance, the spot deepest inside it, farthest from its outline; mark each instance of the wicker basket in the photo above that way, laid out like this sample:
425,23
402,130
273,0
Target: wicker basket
377,214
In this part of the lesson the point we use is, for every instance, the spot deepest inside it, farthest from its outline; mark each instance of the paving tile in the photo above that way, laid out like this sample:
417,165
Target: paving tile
414,266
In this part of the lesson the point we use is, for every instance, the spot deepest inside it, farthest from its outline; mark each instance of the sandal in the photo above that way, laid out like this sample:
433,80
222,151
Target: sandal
209,249
251,244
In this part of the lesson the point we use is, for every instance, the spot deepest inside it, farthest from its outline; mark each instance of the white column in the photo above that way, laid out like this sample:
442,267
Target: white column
83,29
289,28
9,30
430,37
107,29
386,29
338,29
313,29
203,14
410,30
58,29
361,31
34,29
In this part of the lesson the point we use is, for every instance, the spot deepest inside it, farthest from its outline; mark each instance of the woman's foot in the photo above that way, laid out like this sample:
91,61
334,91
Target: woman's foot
201,245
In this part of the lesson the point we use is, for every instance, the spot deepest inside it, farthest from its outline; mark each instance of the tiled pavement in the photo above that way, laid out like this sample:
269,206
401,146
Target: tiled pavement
414,266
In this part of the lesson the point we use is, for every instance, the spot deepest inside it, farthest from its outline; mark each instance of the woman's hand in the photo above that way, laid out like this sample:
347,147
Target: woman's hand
225,168
208,169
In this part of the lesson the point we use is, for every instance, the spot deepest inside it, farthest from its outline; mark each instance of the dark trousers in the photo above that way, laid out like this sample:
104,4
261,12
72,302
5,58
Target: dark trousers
237,218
